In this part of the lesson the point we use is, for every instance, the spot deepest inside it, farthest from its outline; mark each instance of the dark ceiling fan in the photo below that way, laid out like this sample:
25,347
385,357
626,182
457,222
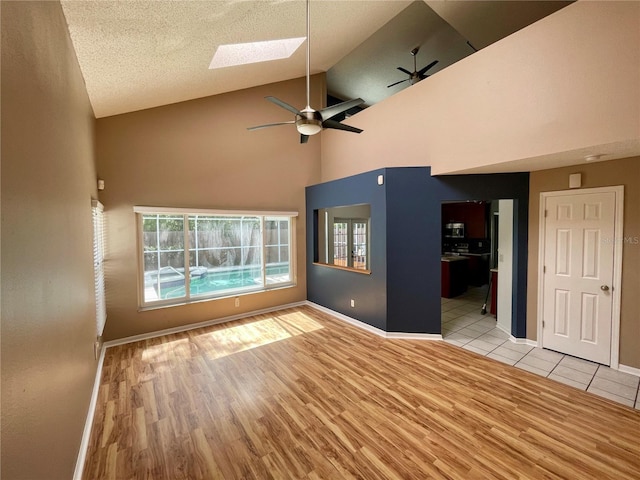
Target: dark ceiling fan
309,121
416,75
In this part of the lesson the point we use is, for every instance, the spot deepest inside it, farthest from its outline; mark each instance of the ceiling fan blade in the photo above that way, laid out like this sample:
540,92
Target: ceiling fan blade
304,138
271,125
334,110
421,71
340,126
405,70
393,84
284,105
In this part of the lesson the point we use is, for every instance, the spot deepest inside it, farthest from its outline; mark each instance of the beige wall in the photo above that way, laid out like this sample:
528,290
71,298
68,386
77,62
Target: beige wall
199,154
615,172
48,308
565,83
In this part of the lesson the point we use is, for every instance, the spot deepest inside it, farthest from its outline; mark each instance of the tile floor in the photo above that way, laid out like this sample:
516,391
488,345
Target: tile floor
463,325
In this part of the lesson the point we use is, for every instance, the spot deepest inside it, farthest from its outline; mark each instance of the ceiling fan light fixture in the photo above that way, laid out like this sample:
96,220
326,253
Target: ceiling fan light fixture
309,122
308,127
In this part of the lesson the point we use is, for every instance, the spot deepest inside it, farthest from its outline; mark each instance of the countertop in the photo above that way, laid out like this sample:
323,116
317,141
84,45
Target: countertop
453,258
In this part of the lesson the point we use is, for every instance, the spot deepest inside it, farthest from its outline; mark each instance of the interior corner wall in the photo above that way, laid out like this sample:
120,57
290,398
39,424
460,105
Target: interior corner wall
334,288
601,174
48,306
199,154
413,251
565,83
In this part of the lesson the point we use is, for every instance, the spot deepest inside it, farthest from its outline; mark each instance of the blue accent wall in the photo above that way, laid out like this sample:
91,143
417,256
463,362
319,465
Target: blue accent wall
334,288
402,294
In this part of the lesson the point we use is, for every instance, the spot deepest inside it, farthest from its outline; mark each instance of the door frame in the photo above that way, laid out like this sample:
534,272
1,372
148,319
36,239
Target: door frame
618,191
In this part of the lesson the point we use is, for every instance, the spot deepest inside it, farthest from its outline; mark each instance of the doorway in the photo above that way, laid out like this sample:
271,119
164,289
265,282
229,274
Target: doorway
472,259
580,273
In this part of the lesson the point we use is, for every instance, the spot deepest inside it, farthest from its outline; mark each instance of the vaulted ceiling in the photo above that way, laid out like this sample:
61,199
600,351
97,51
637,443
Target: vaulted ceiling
142,54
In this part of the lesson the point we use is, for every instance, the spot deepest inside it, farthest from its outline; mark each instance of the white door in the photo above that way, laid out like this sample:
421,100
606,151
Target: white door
578,274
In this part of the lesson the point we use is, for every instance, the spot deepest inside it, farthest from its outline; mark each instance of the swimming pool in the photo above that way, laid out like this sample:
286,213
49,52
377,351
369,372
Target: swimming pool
211,281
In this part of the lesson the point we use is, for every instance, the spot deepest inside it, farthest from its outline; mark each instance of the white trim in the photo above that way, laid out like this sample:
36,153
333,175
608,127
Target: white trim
158,302
413,336
207,211
88,424
541,236
372,329
192,326
618,192
523,341
630,370
617,277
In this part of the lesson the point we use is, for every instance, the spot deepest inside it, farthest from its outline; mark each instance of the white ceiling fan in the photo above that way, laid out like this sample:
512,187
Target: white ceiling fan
309,121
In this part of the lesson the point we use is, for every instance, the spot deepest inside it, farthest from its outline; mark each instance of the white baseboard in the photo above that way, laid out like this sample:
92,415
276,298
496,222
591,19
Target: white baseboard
88,424
372,329
631,370
523,341
193,326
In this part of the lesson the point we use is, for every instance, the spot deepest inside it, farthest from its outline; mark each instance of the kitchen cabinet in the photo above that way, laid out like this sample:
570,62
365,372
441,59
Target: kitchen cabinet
472,214
454,274
478,268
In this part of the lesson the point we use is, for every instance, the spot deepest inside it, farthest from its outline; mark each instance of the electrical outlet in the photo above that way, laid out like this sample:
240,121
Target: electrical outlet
237,301
353,303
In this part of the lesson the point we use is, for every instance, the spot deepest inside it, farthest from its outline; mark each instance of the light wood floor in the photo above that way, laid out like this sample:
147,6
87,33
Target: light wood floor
298,394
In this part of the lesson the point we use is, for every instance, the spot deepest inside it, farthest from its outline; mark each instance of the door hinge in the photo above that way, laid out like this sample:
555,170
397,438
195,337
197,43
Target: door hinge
545,213
544,269
542,323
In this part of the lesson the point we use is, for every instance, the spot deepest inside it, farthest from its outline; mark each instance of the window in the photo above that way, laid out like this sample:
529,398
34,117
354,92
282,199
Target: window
189,256
342,237
350,243
359,244
97,212
341,242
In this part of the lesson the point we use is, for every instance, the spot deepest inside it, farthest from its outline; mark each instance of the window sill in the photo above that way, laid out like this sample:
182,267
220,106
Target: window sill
159,305
347,269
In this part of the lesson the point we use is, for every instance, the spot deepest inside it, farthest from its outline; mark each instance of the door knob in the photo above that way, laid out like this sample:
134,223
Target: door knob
604,288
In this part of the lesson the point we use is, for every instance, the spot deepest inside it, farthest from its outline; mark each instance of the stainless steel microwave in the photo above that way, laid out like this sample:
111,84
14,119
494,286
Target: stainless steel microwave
454,230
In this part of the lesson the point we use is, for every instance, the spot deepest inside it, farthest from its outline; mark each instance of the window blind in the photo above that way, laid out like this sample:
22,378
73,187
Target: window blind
98,264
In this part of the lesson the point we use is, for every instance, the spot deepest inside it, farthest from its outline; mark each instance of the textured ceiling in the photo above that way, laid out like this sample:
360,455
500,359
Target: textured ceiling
143,54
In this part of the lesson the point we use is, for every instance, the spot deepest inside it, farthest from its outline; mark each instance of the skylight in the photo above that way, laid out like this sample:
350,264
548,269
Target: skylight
255,52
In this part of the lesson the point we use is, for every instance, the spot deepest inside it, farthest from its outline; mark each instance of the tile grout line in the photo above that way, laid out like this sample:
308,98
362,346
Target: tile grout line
477,336
594,376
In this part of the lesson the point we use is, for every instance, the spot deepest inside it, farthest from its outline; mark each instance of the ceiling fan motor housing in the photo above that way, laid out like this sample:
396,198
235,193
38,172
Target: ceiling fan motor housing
309,121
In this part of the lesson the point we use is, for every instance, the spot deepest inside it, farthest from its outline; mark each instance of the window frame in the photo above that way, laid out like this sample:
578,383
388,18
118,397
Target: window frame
97,216
187,249
349,234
